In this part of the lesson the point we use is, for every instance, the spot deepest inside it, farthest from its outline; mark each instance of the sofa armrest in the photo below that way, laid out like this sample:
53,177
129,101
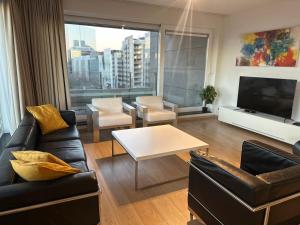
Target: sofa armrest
129,108
68,116
171,105
30,193
245,186
296,148
282,182
131,111
93,116
258,158
141,108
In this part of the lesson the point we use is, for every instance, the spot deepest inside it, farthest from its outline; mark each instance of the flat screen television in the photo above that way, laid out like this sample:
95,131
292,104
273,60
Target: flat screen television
267,95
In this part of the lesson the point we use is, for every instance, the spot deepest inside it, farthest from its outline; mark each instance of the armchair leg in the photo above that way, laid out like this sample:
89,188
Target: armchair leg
145,123
96,135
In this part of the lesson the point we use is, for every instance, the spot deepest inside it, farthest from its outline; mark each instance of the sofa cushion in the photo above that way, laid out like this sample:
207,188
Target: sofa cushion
68,116
258,158
108,105
80,165
48,117
114,119
68,151
151,102
64,134
28,120
160,115
8,175
24,136
41,171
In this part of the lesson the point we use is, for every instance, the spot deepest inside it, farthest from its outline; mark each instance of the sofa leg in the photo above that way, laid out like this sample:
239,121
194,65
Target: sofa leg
96,135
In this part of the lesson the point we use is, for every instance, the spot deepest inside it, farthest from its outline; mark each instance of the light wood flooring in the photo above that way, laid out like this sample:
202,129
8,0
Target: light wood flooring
165,204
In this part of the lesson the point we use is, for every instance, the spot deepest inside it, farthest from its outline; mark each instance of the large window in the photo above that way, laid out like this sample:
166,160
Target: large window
184,69
108,62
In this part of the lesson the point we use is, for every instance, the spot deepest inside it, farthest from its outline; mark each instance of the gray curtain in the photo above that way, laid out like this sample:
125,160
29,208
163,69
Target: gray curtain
12,94
40,51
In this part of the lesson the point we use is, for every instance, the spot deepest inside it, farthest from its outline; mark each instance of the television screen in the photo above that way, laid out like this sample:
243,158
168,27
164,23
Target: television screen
267,95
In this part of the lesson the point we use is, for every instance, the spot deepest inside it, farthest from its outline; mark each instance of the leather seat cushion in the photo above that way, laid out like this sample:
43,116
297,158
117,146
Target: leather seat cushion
69,133
80,165
24,136
68,150
114,119
28,120
153,116
8,175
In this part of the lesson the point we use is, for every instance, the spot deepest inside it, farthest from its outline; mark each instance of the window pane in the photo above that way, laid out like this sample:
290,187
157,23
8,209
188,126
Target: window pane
184,69
110,62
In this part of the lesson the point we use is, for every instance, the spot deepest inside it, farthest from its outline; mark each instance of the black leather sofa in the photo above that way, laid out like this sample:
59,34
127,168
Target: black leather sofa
296,148
71,200
264,190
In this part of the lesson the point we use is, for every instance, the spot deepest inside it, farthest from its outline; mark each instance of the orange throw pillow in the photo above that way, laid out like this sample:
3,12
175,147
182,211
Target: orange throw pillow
48,118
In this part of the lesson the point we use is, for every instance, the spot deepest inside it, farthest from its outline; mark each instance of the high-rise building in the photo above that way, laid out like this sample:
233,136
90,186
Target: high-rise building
133,59
111,67
77,34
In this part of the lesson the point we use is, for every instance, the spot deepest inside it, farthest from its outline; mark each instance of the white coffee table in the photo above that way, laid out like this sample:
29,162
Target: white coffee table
155,142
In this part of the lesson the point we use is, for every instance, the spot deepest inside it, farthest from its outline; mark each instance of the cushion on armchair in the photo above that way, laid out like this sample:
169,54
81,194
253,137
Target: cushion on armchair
114,119
160,115
108,105
151,102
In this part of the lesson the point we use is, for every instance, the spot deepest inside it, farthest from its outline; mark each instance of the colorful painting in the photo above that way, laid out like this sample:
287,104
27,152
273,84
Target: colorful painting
270,48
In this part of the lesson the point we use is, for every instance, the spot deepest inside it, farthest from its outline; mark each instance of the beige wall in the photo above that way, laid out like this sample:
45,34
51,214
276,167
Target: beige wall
283,14
135,12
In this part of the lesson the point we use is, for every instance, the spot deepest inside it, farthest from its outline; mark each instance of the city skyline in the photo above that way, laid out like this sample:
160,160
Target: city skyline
103,36
133,65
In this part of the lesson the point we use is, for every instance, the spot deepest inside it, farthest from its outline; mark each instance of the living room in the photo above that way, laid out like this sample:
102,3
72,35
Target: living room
132,112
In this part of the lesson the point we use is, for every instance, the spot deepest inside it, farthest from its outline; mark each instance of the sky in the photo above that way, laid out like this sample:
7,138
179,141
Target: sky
99,37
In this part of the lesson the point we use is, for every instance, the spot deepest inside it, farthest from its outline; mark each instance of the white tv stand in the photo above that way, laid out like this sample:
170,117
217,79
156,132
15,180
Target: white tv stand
271,126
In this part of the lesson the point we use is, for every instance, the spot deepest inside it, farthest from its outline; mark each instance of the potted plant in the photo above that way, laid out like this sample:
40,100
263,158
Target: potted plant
208,95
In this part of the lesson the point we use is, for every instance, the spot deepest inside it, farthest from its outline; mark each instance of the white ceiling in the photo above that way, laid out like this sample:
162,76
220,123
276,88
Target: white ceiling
224,7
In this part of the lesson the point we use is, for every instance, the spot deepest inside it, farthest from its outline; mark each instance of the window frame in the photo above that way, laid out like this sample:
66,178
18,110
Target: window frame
211,56
208,67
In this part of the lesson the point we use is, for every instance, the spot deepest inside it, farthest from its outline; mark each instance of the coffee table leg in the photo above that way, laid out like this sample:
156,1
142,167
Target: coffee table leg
136,175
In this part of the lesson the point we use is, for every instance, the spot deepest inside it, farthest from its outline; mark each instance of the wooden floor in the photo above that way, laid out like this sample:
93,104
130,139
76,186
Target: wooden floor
165,204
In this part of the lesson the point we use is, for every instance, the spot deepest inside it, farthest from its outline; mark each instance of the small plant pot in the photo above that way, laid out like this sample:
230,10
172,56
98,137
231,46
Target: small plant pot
204,109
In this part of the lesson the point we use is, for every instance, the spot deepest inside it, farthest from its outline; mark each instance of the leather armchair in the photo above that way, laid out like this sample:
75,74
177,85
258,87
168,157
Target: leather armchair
264,190
152,109
106,113
296,148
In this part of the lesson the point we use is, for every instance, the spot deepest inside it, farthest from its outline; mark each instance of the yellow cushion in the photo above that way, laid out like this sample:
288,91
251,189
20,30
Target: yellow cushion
48,117
40,171
37,156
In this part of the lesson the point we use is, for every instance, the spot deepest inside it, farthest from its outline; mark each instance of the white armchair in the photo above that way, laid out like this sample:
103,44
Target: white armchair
106,113
152,110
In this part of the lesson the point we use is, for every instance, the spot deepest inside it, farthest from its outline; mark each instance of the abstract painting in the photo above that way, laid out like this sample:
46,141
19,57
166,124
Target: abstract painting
270,48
